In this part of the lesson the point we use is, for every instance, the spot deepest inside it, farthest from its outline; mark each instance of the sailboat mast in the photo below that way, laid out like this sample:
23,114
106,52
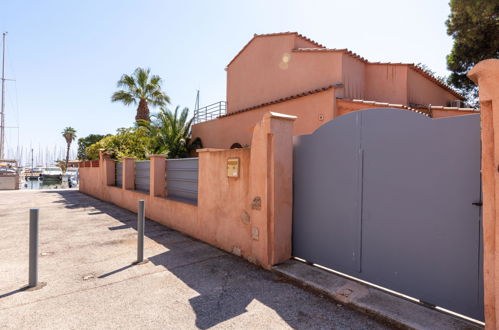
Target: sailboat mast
2,109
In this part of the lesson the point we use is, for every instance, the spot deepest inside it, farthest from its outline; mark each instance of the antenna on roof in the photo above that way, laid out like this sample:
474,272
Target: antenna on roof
196,105
196,108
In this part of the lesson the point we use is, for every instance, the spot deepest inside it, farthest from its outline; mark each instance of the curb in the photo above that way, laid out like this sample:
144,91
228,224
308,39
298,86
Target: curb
388,308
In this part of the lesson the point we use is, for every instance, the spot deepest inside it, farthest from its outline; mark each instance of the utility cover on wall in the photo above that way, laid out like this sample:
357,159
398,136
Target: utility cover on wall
233,167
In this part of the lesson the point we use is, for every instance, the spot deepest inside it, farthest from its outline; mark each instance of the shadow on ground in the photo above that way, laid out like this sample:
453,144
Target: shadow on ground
226,284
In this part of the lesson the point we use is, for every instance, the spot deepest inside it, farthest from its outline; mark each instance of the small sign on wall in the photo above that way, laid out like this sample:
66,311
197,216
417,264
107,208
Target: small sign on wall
233,167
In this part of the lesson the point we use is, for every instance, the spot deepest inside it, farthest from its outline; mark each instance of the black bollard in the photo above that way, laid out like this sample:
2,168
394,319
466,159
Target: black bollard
33,248
140,231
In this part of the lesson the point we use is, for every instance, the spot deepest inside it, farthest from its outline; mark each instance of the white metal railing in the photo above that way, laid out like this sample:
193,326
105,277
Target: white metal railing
210,112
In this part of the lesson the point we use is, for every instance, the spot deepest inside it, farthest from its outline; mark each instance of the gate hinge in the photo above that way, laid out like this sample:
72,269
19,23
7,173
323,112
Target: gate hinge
478,203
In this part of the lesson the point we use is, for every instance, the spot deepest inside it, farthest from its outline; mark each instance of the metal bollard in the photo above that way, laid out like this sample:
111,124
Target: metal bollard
140,231
33,248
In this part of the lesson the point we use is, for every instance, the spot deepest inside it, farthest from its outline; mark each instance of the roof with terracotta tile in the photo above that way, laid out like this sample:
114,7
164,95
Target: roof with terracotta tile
383,104
325,88
435,80
332,50
322,48
439,107
284,99
318,90
362,59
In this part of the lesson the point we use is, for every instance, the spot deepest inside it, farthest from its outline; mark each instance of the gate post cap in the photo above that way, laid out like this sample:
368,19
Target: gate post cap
484,69
486,75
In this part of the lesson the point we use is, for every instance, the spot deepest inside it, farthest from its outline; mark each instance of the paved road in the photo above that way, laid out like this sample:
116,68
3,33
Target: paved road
86,249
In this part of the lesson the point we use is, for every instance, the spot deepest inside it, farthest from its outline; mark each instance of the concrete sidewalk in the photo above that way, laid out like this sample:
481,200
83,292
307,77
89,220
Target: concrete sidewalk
86,249
394,309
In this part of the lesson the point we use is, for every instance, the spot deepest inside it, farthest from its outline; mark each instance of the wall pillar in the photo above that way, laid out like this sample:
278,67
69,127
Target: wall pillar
486,75
158,175
128,173
271,188
338,92
107,168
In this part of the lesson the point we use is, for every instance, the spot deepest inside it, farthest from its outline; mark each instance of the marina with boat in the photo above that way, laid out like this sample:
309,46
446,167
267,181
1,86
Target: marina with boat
9,175
13,177
14,174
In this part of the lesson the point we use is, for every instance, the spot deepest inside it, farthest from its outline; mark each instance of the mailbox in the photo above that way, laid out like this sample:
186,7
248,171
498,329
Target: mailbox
233,167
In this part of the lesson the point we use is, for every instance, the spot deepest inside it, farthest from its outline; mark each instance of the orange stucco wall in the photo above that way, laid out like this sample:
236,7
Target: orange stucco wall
223,200
486,75
223,132
421,90
270,67
224,215
260,75
303,43
347,106
180,216
276,66
386,83
237,128
436,113
354,77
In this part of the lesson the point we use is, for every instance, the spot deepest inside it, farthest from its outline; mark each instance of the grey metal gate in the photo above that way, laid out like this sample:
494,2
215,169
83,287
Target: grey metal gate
182,179
387,196
142,175
119,174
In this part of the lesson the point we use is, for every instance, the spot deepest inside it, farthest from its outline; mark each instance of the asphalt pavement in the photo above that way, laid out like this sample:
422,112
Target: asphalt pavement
86,255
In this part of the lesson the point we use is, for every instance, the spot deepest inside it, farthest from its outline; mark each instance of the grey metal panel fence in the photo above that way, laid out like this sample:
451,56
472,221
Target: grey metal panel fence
142,175
388,196
119,174
182,179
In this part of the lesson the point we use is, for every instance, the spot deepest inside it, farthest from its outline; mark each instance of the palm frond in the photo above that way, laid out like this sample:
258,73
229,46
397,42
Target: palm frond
69,134
126,81
123,96
141,85
142,76
171,131
156,80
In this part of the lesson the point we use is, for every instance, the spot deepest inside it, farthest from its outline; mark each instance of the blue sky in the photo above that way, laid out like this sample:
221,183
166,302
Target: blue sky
66,56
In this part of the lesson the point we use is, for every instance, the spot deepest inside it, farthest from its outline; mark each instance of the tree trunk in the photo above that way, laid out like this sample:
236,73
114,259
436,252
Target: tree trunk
142,111
67,157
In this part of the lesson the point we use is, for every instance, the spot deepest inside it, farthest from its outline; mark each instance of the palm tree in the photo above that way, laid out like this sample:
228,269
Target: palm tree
141,88
69,134
62,165
170,132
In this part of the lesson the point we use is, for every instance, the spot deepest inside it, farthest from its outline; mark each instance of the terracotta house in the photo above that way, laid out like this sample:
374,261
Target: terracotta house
291,74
